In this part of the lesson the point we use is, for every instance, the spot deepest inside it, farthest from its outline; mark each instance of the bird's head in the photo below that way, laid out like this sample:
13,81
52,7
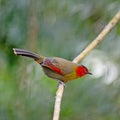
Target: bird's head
82,70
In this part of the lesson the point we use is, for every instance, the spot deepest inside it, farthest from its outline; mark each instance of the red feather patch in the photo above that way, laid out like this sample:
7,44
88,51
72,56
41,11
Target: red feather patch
80,71
48,64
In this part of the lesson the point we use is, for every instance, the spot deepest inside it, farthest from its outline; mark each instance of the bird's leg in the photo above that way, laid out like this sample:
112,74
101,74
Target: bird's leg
61,86
61,82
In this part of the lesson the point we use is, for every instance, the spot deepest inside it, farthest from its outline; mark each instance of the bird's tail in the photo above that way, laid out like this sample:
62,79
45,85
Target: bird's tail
29,54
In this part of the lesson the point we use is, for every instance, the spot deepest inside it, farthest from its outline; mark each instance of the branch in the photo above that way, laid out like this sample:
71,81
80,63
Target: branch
99,38
59,94
80,57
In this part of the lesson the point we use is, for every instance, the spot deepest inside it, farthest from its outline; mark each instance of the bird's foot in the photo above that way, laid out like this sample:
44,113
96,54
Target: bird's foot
61,82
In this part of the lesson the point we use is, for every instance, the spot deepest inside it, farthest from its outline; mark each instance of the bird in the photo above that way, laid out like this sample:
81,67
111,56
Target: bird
55,67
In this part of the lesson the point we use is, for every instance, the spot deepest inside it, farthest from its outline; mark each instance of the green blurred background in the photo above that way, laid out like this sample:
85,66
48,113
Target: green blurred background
58,28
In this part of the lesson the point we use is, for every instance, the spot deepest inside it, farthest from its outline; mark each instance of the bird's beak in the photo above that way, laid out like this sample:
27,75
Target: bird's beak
90,73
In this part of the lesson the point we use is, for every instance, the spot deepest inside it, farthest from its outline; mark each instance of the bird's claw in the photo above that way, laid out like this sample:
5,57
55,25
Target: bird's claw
61,82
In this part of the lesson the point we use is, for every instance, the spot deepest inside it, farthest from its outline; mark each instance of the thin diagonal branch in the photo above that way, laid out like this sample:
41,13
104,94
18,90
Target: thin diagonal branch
99,38
80,57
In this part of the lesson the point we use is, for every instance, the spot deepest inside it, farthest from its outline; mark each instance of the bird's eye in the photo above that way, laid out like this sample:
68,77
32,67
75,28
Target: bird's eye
85,70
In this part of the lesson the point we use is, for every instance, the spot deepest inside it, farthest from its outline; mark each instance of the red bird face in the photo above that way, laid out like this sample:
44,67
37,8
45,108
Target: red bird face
82,70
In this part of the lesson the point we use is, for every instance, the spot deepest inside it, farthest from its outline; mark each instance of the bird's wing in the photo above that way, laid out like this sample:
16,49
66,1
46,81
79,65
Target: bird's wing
59,65
50,63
